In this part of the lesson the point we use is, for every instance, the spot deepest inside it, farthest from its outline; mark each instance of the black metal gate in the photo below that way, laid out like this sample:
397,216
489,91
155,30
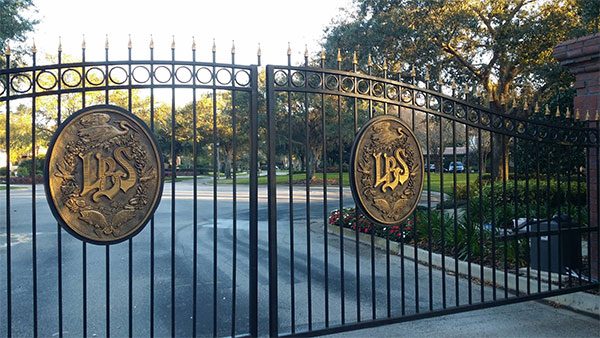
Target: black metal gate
277,248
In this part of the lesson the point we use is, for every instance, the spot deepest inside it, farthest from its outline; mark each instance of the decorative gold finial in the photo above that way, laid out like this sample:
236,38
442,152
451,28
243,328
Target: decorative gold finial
289,50
525,106
568,113
370,60
427,74
339,56
547,113
577,114
454,85
129,45
83,45
384,63
214,46
232,47
413,72
537,108
514,103
502,99
557,112
354,58
259,52
59,44
305,50
151,42
440,80
7,51
106,42
193,43
587,115
322,53
173,42
33,47
597,115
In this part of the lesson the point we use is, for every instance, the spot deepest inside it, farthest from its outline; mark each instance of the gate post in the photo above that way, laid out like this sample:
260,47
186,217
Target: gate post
582,57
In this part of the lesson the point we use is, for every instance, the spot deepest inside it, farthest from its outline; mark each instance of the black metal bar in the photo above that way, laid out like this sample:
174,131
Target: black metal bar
152,229
195,207
468,218
442,212
597,167
33,204
130,247
8,218
429,234
505,213
325,234
107,247
548,216
272,202
538,216
569,215
253,231
173,180
291,205
481,225
234,206
559,249
58,227
456,274
356,211
516,225
527,220
493,212
341,192
216,174
308,181
373,293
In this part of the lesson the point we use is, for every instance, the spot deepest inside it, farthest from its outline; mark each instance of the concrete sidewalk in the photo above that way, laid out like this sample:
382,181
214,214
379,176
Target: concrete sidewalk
528,319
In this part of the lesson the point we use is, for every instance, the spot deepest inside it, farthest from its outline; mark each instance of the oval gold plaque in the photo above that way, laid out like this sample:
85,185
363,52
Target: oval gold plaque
103,174
386,170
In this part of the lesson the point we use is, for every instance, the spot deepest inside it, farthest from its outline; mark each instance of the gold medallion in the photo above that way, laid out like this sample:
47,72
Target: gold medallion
103,174
386,170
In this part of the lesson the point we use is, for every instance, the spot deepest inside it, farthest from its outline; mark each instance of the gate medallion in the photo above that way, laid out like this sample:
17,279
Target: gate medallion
103,174
386,170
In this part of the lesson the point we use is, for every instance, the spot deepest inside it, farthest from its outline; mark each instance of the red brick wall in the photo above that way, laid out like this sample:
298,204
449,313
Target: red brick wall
582,57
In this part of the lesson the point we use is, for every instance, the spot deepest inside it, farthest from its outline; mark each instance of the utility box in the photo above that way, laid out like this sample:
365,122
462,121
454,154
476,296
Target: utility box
570,245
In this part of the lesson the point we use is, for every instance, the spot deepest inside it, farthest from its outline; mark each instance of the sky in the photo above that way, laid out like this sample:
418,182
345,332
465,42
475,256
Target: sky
271,23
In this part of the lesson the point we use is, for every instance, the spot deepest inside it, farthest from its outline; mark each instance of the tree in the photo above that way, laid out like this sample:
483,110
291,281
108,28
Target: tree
15,25
503,45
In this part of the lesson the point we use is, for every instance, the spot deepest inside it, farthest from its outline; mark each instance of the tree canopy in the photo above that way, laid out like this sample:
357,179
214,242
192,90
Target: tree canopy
14,24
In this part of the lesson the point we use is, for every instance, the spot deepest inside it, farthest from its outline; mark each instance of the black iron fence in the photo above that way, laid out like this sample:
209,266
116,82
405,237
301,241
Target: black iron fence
278,248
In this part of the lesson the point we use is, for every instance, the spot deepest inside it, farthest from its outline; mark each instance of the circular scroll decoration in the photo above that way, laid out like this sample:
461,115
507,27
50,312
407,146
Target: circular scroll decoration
103,174
386,170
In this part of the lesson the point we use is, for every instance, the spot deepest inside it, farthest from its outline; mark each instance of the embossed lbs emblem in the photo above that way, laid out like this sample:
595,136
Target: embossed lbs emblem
103,175
386,170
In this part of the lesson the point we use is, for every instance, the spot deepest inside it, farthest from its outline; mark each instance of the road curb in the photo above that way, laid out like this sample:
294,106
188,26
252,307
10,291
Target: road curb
579,301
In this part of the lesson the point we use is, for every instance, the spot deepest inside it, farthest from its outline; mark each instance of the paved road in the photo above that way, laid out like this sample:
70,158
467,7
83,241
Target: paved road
403,295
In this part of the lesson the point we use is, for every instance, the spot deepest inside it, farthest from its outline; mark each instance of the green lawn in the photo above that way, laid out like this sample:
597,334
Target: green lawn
461,179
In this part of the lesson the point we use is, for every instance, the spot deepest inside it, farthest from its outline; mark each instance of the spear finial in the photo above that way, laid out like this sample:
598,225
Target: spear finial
385,64
537,108
502,99
597,115
83,44
568,113
33,47
173,42
151,42
106,42
525,106
193,43
214,46
232,47
354,58
7,51
440,80
547,113
339,56
413,72
259,52
305,50
427,74
59,44
370,60
322,53
557,112
289,50
129,45
577,114
514,103
587,114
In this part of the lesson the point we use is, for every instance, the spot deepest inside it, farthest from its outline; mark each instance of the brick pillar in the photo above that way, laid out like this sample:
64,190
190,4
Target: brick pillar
582,57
